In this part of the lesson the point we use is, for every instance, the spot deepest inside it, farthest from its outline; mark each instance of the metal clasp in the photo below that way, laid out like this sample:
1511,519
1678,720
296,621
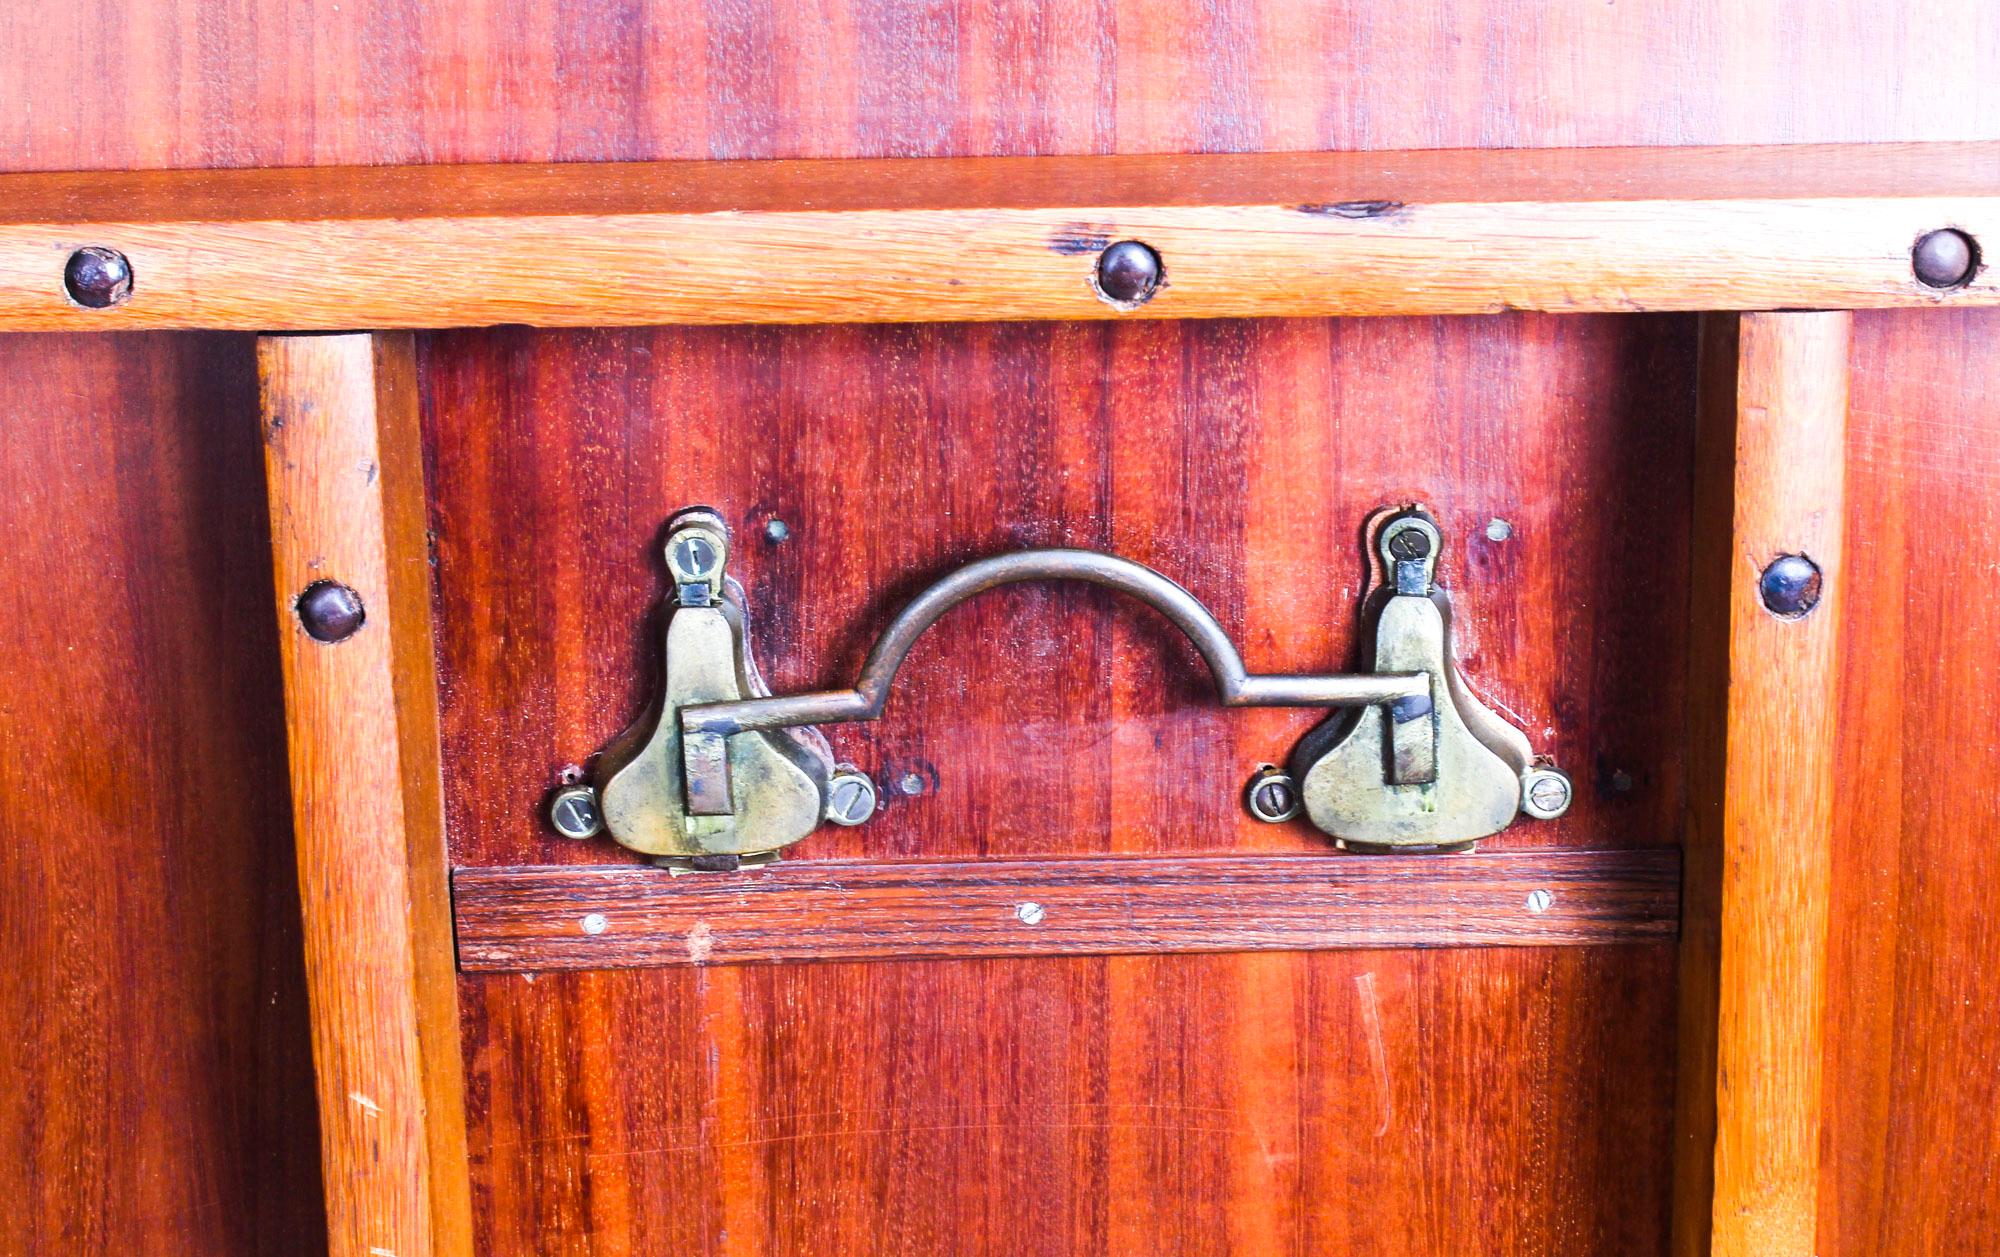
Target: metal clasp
719,770
1436,770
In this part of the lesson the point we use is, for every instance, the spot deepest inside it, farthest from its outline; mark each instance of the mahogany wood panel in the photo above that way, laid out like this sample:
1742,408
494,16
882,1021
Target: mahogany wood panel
1913,1064
346,492
1512,1100
1764,827
999,238
294,82
531,919
1238,458
156,1092
637,1111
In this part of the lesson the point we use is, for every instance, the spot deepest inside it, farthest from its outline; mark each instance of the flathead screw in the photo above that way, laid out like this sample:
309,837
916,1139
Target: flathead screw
1410,543
1545,793
695,556
1272,796
574,813
850,797
1030,913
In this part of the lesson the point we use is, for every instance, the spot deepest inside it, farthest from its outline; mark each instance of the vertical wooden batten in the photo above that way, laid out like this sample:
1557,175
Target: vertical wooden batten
344,468
1770,471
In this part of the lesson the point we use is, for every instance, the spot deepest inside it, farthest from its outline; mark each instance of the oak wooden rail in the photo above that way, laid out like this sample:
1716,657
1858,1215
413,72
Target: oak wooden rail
347,502
1770,479
1446,232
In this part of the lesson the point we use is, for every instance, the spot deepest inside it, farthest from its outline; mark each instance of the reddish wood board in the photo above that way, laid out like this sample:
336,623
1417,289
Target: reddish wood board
529,919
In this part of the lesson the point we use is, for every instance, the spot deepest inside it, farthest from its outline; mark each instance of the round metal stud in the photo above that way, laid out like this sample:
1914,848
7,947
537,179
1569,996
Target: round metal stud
1272,796
1545,793
1946,258
97,277
1790,586
574,813
850,797
1128,273
330,611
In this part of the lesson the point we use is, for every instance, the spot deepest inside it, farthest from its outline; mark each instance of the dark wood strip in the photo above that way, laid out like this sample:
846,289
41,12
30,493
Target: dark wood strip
536,918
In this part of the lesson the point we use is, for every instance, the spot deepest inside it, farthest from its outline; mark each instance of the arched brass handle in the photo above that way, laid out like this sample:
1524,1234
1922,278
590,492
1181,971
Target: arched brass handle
704,727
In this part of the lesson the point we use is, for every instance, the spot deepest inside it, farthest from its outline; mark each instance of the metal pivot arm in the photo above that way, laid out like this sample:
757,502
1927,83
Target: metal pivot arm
705,727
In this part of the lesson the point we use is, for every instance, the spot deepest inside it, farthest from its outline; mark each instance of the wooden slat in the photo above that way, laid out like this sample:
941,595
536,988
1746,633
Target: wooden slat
607,918
1000,238
346,495
1760,827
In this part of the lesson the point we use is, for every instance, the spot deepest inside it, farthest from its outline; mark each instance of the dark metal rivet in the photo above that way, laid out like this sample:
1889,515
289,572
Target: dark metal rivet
1945,259
1790,586
1128,273
330,611
97,277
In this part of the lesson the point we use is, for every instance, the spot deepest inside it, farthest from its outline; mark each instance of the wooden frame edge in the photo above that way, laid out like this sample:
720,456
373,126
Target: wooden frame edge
1770,472
984,239
344,472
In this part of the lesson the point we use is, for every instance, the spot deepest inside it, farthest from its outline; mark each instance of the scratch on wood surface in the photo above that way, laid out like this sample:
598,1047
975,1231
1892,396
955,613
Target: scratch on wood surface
367,1105
1378,1056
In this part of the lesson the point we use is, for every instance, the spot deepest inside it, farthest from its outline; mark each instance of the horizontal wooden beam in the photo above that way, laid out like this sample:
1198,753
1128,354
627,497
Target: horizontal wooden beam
598,917
1447,232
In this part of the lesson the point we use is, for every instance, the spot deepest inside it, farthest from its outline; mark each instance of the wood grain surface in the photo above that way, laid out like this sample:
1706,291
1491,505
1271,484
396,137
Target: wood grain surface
1239,458
999,238
1762,829
156,1092
345,479
1507,1100
532,919
332,82
1913,1062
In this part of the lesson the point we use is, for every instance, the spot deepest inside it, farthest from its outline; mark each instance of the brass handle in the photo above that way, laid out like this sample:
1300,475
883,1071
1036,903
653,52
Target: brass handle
720,771
706,727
